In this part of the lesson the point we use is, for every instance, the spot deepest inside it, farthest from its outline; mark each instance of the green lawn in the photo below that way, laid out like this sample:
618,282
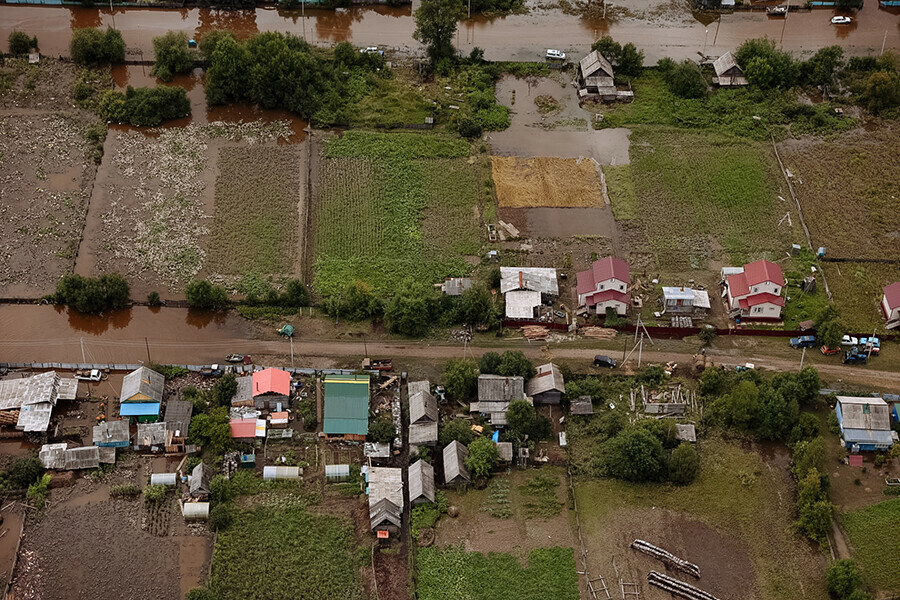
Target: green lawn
395,205
454,574
620,187
736,494
873,536
286,554
696,191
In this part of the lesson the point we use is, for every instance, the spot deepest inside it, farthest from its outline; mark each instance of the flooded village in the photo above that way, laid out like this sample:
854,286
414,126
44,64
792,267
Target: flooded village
442,300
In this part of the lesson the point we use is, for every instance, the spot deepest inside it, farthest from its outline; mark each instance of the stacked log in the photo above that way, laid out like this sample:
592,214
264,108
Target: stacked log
677,587
669,559
599,333
535,332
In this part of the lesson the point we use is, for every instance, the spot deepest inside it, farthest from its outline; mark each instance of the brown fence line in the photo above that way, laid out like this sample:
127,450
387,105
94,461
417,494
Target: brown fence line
557,326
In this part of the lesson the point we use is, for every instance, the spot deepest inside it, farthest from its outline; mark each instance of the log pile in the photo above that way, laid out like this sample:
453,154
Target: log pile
599,333
535,332
677,587
669,559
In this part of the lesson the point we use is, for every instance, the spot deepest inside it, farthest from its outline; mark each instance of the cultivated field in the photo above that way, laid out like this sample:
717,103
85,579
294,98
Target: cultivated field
259,200
390,206
548,182
734,522
873,538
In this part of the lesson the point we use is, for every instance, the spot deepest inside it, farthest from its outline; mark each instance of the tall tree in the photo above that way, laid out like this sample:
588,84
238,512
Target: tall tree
436,22
172,55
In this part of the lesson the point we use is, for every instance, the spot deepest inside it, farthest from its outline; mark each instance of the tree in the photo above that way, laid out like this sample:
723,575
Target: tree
469,128
662,429
461,378
91,46
145,107
634,455
295,295
808,455
627,59
226,76
739,408
409,310
356,302
222,516
807,428
830,333
823,66
224,390
482,457
20,43
761,73
382,430
436,22
489,363
221,490
477,307
842,578
88,295
684,464
686,80
203,294
814,510
777,413
211,39
881,92
520,418
588,386
172,55
25,471
513,362
211,430
456,429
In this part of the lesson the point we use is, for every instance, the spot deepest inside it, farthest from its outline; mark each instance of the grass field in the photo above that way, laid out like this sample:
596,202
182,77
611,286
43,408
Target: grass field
620,187
395,205
873,536
734,521
452,574
698,190
256,220
285,554
393,100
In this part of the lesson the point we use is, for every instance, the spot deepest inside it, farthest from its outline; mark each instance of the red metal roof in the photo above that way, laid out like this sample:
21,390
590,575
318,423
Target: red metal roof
272,381
856,460
762,271
892,293
756,299
598,297
737,285
603,270
243,428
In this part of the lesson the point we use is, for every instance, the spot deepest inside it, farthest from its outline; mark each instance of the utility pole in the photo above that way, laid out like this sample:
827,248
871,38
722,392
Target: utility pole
883,42
802,356
148,350
83,359
292,350
705,36
784,25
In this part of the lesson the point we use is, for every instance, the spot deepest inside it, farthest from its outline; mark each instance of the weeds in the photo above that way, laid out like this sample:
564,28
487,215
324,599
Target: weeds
541,501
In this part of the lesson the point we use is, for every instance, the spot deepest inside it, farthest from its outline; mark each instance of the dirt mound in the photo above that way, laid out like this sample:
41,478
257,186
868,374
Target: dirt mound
547,182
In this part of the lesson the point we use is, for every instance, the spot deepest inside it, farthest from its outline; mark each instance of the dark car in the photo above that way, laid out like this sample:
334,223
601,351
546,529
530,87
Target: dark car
855,357
806,341
604,361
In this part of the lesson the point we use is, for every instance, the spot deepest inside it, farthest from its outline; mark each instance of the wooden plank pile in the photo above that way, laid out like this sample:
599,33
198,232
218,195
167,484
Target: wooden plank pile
669,559
535,332
599,333
677,587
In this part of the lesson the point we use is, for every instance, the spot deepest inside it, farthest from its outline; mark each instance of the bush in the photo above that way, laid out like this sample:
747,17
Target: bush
355,302
171,372
172,55
469,128
707,335
201,593
153,299
513,362
634,454
125,490
25,471
92,47
523,421
461,378
455,429
489,364
145,107
422,516
154,494
808,454
684,464
842,578
381,429
223,390
222,516
686,80
834,426
211,430
482,457
409,310
20,43
89,295
37,491
806,428
203,294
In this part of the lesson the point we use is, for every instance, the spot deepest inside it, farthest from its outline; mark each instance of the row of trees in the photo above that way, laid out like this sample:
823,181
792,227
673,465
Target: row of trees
146,106
93,295
92,47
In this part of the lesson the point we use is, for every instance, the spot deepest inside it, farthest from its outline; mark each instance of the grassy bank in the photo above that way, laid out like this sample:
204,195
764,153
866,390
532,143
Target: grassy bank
873,536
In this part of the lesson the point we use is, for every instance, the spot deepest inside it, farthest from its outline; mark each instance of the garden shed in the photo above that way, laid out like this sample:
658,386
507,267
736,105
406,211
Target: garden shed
347,406
582,405
547,387
200,478
112,434
143,385
421,482
385,489
495,392
728,73
151,434
423,418
178,418
244,394
455,472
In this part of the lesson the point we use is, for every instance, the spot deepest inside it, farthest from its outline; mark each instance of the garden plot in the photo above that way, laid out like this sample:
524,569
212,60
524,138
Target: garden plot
546,182
150,210
391,206
873,537
46,174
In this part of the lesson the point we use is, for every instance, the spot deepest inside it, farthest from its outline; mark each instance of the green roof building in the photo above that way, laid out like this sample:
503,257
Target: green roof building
346,405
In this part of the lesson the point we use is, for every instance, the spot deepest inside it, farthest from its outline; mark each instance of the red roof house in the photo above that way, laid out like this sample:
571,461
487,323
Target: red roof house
605,285
756,293
270,387
243,429
890,302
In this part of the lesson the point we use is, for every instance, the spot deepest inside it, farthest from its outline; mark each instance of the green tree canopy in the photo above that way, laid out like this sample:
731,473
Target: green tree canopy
686,80
477,307
409,310
171,55
203,294
482,457
436,22
684,464
627,59
635,455
91,46
489,363
224,390
381,429
20,43
824,65
461,378
455,429
513,362
89,295
842,578
146,106
211,430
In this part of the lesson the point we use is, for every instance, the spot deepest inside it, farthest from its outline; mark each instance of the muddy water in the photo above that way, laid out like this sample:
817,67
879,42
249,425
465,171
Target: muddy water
13,516
51,334
515,37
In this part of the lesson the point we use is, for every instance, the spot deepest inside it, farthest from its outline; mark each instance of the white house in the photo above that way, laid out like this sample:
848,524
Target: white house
890,302
756,293
605,285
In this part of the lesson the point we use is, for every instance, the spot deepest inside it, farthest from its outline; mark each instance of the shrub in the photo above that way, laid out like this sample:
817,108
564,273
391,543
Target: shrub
834,426
461,378
154,494
469,128
171,372
223,390
808,454
807,428
125,490
37,491
489,364
455,429
422,516
146,106
684,464
879,460
513,362
91,46
707,335
25,471
482,457
20,43
201,593
153,299
211,430
203,294
686,80
634,455
409,310
381,429
842,578
172,55
89,295
222,516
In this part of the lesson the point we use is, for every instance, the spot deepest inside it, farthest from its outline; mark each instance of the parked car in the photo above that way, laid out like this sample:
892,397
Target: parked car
849,340
89,375
841,20
805,341
604,361
872,344
854,357
555,54
829,351
371,50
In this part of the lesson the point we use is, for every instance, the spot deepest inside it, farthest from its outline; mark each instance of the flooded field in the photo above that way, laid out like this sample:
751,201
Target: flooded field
673,32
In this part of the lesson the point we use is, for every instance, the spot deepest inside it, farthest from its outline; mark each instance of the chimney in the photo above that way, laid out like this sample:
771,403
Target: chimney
521,280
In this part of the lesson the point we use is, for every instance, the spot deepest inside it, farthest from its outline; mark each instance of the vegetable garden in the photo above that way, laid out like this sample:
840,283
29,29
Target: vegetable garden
391,206
873,536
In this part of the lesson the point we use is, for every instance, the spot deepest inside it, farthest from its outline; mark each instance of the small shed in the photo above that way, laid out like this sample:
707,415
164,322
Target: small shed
53,456
865,423
178,418
271,473
200,478
595,74
243,397
547,387
141,412
243,429
279,420
522,305
107,455
665,409
112,434
421,482
423,418
377,450
385,491
86,457
455,472
582,405
143,385
151,434
495,392
728,73
685,432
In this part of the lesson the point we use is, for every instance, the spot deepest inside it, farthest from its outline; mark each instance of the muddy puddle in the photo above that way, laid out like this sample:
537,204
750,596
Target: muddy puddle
561,222
13,515
55,334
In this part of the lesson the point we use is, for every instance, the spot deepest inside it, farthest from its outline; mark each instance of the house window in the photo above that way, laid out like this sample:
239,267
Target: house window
622,287
601,286
776,291
756,289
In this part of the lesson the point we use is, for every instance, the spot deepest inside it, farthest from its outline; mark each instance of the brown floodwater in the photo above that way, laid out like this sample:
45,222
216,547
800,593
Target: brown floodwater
174,335
513,37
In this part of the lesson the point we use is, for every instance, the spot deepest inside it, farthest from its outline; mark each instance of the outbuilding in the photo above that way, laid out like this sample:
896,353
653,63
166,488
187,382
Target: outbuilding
455,472
728,72
421,482
112,434
495,392
385,490
271,387
423,414
143,385
346,406
890,304
547,387
865,423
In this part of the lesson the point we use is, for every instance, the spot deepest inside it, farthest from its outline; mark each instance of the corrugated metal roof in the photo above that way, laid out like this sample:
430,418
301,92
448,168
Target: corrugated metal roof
178,417
881,437
139,409
53,456
37,389
536,279
421,481
112,433
151,434
422,408
377,450
346,404
243,428
678,293
864,413
595,64
244,393
548,377
385,483
725,62
455,463
385,510
521,304
86,457
455,286
496,388
142,384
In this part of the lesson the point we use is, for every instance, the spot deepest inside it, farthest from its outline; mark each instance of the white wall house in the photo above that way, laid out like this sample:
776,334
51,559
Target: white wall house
604,285
757,292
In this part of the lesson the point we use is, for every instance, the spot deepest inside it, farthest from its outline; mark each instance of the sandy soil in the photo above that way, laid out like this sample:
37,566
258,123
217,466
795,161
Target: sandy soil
46,177
546,182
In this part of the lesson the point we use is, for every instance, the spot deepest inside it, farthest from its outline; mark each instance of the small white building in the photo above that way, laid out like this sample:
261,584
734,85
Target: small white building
525,288
685,301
